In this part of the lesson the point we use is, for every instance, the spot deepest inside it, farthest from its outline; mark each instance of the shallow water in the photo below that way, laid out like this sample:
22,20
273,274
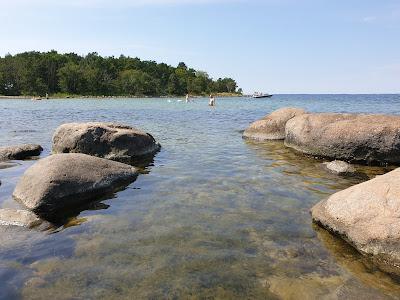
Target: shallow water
214,216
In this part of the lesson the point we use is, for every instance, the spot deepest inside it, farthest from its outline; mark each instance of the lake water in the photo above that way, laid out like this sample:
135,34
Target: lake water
212,217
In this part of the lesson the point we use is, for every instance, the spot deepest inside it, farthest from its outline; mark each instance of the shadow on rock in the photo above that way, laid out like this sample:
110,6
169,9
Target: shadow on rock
69,217
143,163
53,221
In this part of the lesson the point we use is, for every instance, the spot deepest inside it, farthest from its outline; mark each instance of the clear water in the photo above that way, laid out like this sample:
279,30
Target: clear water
212,217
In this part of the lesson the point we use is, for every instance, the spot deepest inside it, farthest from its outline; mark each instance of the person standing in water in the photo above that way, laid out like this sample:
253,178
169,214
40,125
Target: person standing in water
211,102
187,98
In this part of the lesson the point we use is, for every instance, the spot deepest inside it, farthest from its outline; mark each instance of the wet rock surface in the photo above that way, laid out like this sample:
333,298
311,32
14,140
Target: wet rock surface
20,152
107,140
272,126
63,181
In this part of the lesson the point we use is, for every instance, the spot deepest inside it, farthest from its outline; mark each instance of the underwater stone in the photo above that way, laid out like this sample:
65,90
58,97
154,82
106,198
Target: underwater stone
18,217
339,167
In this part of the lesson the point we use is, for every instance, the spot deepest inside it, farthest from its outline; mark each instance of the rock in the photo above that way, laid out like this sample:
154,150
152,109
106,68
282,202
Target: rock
64,181
349,137
272,126
107,140
35,282
18,217
367,216
6,165
307,286
20,152
339,167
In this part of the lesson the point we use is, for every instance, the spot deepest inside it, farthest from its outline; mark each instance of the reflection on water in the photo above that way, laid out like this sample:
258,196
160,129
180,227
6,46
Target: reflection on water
362,267
213,216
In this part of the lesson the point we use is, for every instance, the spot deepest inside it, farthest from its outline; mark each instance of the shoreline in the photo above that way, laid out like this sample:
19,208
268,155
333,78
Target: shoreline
111,97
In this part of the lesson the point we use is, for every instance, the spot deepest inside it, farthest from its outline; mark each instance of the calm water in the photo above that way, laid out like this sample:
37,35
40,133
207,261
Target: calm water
213,216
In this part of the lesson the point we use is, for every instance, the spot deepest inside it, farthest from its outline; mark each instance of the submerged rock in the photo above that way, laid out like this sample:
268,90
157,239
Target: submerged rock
339,167
272,126
20,152
367,216
6,165
18,217
63,181
349,137
107,140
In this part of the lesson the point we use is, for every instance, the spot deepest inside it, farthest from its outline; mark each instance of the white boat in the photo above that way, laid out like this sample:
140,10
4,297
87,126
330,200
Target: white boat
261,95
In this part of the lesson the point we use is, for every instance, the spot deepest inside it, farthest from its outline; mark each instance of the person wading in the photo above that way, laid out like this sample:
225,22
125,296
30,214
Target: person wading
211,102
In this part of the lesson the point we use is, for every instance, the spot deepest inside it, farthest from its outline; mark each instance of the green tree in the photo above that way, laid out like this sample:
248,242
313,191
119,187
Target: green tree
173,85
71,78
138,83
37,73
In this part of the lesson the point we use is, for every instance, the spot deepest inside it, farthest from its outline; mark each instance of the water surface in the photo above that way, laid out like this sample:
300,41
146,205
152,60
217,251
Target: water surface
213,216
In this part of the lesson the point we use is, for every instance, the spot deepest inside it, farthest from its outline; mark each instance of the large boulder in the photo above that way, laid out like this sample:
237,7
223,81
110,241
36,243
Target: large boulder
272,126
20,152
349,137
367,216
107,140
63,181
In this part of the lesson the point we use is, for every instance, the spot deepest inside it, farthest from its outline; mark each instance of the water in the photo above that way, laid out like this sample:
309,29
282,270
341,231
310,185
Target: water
213,216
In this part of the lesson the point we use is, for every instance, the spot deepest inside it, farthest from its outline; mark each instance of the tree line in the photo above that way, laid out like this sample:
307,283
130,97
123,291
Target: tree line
39,73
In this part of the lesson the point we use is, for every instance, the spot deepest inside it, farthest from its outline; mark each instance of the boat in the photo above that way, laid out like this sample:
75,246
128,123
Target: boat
261,95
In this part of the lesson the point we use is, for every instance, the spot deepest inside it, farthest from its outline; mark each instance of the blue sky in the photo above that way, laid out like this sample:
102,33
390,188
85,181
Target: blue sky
276,46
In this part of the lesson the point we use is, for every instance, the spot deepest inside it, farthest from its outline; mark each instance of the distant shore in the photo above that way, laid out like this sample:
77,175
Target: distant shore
24,97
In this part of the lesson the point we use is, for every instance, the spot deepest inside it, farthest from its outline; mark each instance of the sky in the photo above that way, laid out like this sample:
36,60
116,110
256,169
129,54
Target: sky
274,46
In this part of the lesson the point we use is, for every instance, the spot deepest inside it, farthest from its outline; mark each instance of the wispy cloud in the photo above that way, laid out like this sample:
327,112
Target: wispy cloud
369,19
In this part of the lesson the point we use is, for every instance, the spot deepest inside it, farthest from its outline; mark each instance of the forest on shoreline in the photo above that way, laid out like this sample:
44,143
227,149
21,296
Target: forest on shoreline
40,73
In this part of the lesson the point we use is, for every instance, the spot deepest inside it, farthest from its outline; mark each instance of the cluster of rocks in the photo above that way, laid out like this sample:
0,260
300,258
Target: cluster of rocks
366,215
372,139
88,160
